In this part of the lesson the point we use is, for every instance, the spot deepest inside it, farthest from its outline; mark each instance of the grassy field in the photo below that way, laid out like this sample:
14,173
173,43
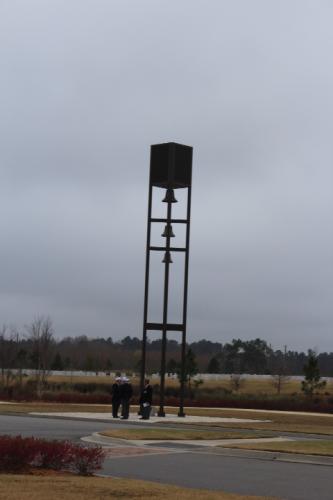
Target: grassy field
67,487
315,447
176,434
279,421
250,386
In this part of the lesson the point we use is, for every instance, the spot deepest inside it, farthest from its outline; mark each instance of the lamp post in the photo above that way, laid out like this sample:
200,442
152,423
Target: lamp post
170,169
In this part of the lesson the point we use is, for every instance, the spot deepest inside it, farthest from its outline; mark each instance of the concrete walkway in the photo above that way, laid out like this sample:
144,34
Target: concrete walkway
110,441
307,413
169,418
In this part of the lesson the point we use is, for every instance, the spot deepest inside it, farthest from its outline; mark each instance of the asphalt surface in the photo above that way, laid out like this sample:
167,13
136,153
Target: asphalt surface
292,481
50,428
196,468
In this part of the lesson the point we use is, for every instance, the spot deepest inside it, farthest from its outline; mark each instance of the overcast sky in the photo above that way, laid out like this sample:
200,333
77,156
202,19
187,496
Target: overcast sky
86,86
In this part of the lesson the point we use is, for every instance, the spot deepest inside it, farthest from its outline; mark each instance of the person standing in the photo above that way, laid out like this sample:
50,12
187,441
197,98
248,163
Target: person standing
146,400
115,392
126,392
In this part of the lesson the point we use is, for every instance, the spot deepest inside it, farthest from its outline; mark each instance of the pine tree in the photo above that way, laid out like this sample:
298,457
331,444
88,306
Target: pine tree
190,369
171,366
57,363
312,381
213,366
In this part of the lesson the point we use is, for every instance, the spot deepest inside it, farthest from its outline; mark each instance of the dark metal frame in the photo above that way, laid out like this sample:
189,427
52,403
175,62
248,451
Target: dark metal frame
165,326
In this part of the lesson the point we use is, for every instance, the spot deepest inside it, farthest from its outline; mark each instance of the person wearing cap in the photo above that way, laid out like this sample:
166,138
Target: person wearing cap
146,400
126,392
115,393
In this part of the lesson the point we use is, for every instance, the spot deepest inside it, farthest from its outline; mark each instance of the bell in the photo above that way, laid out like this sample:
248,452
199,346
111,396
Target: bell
168,233
169,196
167,258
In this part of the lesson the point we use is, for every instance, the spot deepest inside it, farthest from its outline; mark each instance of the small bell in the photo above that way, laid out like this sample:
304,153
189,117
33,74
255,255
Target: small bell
168,233
167,258
169,196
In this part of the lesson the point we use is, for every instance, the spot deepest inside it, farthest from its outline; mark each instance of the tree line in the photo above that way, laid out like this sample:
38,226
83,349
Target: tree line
38,348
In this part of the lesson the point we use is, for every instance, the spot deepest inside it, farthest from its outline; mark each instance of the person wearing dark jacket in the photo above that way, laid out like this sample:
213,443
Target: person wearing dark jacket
115,393
126,392
146,400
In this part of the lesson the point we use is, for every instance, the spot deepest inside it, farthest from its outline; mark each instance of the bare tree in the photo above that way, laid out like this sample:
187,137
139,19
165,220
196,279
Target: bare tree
3,353
236,381
8,353
279,381
3,332
280,377
40,334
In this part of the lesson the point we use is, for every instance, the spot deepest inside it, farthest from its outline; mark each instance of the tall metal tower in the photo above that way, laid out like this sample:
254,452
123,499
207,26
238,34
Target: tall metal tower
170,169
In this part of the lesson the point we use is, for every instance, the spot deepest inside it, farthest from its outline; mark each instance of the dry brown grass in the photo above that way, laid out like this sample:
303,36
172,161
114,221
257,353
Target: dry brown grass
250,386
25,487
279,421
315,447
176,434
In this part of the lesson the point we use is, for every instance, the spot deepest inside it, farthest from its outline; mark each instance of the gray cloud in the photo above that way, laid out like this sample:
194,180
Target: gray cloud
87,86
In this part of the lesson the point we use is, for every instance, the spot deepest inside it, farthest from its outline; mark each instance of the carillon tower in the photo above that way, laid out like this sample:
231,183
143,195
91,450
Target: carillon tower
170,169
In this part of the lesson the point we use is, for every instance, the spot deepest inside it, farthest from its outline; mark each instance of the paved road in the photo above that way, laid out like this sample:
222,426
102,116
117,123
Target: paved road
198,469
51,428
290,481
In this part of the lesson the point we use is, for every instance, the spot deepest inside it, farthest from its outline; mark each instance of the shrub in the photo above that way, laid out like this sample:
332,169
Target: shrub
85,460
18,454
283,404
56,455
